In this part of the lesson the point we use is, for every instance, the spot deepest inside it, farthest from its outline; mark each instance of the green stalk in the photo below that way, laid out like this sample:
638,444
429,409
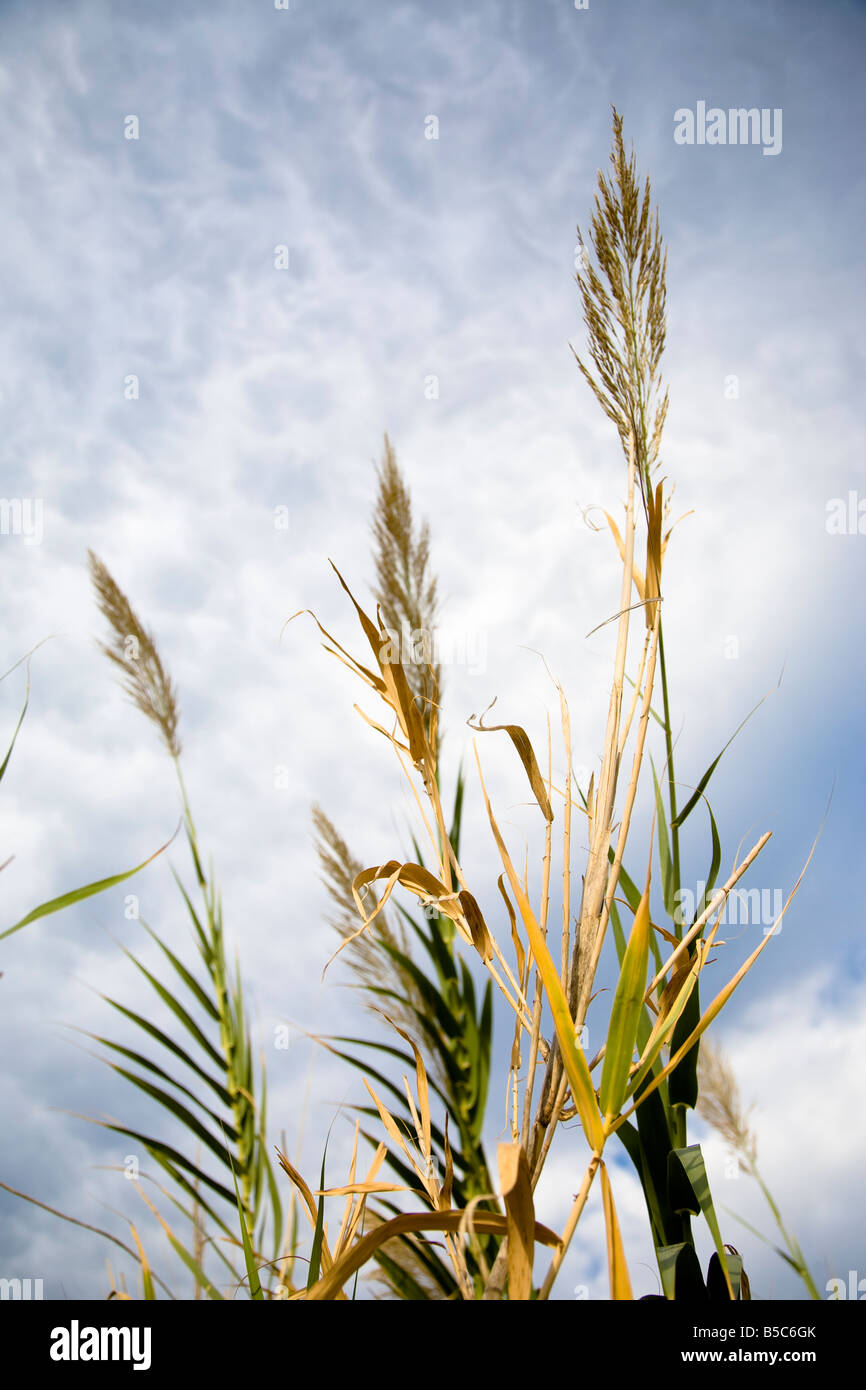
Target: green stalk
797,1258
229,1022
678,1114
672,785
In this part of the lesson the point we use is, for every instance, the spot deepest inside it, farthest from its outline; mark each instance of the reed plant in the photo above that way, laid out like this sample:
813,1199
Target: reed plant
429,1214
433,1003
204,1075
646,1071
74,895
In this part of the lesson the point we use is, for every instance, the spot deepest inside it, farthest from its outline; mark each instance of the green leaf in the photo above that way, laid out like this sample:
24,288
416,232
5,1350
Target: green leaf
663,1033
760,1236
79,894
619,940
156,1149
632,897
435,941
716,861
444,1017
179,1111
628,1005
665,863
142,1061
683,1080
656,717
249,1258
680,1272
319,1233
203,943
628,886
645,1024
179,1012
667,1256
194,1267
426,1253
690,1190
631,1140
457,816
404,1285
426,1026
403,1171
194,1192
189,980
173,1047
485,1039
5,762
381,1047
654,1128
702,784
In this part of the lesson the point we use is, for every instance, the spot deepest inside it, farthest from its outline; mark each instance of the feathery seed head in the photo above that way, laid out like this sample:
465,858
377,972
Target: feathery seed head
405,590
133,649
719,1101
623,297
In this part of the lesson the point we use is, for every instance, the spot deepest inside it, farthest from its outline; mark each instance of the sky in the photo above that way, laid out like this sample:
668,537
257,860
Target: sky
240,245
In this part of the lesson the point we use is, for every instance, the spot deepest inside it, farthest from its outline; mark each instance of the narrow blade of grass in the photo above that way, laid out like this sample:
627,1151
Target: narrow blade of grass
626,1014
79,894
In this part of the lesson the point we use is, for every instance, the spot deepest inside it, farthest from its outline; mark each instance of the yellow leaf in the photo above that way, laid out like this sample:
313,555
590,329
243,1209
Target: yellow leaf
520,1214
620,1284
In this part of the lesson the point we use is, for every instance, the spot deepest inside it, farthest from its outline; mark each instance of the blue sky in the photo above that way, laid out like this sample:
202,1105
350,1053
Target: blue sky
409,259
